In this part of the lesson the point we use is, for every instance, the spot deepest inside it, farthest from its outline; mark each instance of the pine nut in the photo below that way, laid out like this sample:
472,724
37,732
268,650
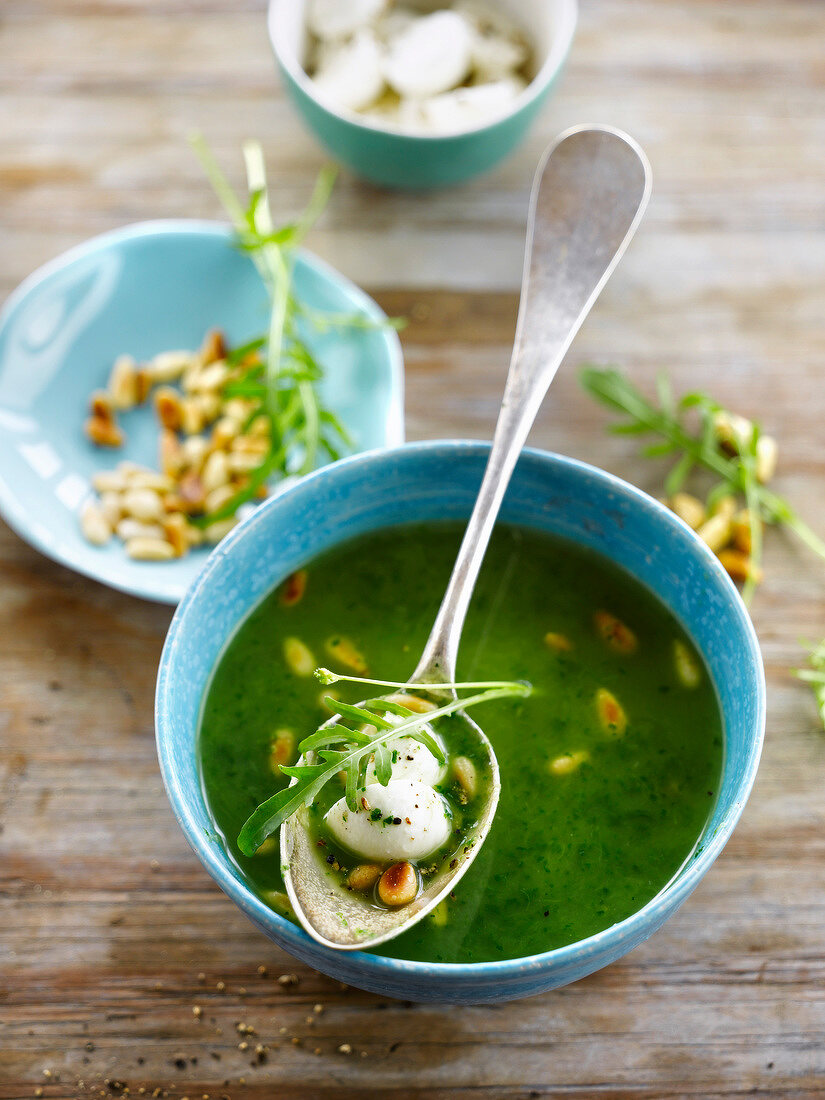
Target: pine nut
151,479
715,532
620,638
559,643
743,531
267,847
398,885
168,366
724,506
169,408
440,916
281,750
114,481
143,504
612,716
213,347
123,383
412,702
175,530
688,669
688,508
299,657
568,762
129,528
733,432
464,771
100,405
343,651
739,566
94,526
364,877
103,432
143,549
211,378
170,453
767,455
111,507
210,404
191,492
215,472
218,498
243,463
293,588
224,431
195,450
192,419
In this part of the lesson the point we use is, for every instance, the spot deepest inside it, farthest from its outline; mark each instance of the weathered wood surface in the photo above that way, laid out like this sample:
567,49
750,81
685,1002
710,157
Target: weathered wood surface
107,918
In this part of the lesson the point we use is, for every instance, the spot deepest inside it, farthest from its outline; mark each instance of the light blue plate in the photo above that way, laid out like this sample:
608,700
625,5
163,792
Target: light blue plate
140,290
431,481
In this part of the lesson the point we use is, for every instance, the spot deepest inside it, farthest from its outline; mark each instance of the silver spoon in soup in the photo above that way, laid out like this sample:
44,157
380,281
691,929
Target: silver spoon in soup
422,780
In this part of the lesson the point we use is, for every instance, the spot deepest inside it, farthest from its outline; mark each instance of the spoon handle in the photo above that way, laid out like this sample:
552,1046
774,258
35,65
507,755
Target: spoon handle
589,193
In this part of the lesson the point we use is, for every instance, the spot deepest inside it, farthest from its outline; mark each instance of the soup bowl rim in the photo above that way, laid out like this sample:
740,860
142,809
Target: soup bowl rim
629,931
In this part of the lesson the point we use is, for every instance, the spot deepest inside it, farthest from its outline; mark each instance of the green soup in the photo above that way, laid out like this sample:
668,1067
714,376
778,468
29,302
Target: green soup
609,770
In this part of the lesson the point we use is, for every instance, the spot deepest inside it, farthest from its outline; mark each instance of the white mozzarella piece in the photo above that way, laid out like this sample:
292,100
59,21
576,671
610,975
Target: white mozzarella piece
349,74
340,18
495,57
413,760
469,106
431,56
395,22
424,822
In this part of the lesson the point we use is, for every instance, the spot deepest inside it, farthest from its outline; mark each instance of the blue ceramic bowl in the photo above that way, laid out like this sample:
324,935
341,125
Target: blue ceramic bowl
143,289
398,159
428,481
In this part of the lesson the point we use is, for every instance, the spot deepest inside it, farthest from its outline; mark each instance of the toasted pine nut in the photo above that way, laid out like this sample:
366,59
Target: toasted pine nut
299,657
398,885
170,453
278,901
175,530
281,749
143,504
110,506
739,566
169,408
688,669
688,508
210,404
412,702
219,530
194,535
240,463
103,432
559,643
212,377
143,549
213,347
260,427
268,847
743,531
143,381
767,454
129,528
440,916
123,385
218,498
100,405
238,408
343,651
715,532
168,366
733,432
619,637
94,525
611,713
464,771
215,471
364,877
568,762
293,588
250,445
151,479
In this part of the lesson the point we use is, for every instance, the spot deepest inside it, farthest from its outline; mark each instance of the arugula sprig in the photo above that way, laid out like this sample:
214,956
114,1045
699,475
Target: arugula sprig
278,370
814,675
348,746
697,447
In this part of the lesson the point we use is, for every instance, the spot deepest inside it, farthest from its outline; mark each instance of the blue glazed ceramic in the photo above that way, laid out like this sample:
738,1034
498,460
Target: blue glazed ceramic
407,160
428,481
143,289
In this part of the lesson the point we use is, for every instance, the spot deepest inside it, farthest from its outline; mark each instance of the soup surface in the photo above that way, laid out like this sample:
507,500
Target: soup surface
594,818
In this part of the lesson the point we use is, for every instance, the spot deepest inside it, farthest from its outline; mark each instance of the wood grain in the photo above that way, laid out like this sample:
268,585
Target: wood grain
108,919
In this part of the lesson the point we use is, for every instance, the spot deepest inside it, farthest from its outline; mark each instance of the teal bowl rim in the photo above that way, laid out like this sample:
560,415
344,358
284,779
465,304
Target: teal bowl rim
14,512
549,70
632,929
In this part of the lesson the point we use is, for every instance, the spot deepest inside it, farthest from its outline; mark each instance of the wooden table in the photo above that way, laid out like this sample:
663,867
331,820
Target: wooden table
122,964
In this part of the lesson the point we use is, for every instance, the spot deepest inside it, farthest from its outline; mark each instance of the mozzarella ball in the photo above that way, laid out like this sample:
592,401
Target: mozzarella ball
470,106
339,18
412,760
424,822
349,73
431,56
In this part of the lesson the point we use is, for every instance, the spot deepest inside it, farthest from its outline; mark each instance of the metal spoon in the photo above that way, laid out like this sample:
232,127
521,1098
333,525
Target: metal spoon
589,193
